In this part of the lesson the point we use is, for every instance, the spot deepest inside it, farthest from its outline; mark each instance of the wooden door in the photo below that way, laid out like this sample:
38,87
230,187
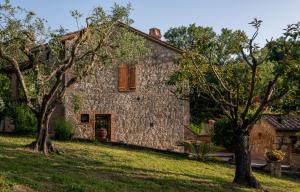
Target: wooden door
103,121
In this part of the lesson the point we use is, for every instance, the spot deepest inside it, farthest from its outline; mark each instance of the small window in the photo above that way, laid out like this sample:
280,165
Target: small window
85,118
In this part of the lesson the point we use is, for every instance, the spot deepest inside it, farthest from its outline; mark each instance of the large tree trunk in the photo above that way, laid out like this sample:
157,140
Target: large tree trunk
243,170
43,142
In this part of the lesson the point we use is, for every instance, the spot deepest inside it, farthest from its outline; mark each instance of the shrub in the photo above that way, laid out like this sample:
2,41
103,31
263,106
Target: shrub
275,155
197,129
198,150
25,121
223,134
63,129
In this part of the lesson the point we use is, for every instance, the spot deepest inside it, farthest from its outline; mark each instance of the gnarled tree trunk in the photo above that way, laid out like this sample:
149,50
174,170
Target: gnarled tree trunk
243,171
43,142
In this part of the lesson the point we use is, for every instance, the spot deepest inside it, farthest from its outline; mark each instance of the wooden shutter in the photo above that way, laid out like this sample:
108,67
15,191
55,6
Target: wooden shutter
123,77
132,77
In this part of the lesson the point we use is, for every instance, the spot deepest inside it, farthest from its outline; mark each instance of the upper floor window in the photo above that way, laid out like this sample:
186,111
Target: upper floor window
126,77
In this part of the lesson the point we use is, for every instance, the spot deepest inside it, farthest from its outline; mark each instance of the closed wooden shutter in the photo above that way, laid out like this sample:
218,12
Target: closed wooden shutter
123,77
132,77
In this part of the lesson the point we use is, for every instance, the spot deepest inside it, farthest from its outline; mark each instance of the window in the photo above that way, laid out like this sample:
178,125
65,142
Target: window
85,118
126,78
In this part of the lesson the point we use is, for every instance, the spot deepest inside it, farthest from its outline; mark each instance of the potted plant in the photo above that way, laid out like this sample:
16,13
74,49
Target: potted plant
274,158
102,133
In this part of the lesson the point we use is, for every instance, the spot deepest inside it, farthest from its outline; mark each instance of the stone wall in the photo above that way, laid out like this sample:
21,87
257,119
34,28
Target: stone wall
59,112
284,143
262,139
7,125
150,116
295,161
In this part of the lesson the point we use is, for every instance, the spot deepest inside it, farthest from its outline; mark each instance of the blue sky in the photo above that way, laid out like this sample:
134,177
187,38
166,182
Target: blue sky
234,14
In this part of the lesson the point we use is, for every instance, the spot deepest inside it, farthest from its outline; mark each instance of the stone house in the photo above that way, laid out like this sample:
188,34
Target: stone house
276,132
131,100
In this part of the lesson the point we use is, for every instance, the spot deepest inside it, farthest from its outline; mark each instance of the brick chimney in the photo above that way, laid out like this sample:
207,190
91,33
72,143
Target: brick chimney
155,32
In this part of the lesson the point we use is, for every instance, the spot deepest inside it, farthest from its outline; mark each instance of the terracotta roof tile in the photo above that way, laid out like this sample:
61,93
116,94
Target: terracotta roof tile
289,122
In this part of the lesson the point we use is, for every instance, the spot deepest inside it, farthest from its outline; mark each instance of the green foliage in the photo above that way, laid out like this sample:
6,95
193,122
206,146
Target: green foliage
223,133
190,38
202,110
2,105
197,39
298,136
230,70
63,129
5,89
198,150
196,129
290,102
103,38
76,102
241,78
25,121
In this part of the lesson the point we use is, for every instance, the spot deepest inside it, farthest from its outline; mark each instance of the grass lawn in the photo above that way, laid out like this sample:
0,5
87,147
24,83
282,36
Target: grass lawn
98,167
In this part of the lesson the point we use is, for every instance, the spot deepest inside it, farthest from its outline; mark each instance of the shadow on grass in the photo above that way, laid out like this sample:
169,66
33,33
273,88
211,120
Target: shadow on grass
78,170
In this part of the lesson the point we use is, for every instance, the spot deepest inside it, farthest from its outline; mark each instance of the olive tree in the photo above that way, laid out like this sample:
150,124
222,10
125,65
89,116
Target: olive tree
243,80
42,58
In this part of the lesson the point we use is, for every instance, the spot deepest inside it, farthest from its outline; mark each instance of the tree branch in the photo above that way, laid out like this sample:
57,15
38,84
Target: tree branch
19,74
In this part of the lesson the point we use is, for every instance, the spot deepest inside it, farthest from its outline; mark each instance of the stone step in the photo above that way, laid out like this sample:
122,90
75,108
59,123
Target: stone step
292,174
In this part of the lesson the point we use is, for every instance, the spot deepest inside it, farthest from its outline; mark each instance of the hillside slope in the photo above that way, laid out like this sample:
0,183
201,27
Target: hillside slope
98,167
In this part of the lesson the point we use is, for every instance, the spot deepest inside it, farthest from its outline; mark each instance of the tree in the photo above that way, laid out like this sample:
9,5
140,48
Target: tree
243,79
5,96
223,134
290,102
2,105
195,38
47,62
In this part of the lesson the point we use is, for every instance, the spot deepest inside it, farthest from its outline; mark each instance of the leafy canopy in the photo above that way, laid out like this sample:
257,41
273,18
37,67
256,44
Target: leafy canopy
231,70
27,42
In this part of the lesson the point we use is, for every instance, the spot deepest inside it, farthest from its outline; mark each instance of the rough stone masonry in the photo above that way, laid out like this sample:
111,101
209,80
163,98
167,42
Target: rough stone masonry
149,116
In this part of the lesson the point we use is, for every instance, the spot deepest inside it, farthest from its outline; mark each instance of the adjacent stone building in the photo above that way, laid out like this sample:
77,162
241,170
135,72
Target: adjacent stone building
131,100
276,132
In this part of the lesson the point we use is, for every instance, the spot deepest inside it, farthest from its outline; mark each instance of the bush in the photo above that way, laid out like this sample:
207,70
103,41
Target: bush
198,151
197,129
25,121
63,129
223,134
